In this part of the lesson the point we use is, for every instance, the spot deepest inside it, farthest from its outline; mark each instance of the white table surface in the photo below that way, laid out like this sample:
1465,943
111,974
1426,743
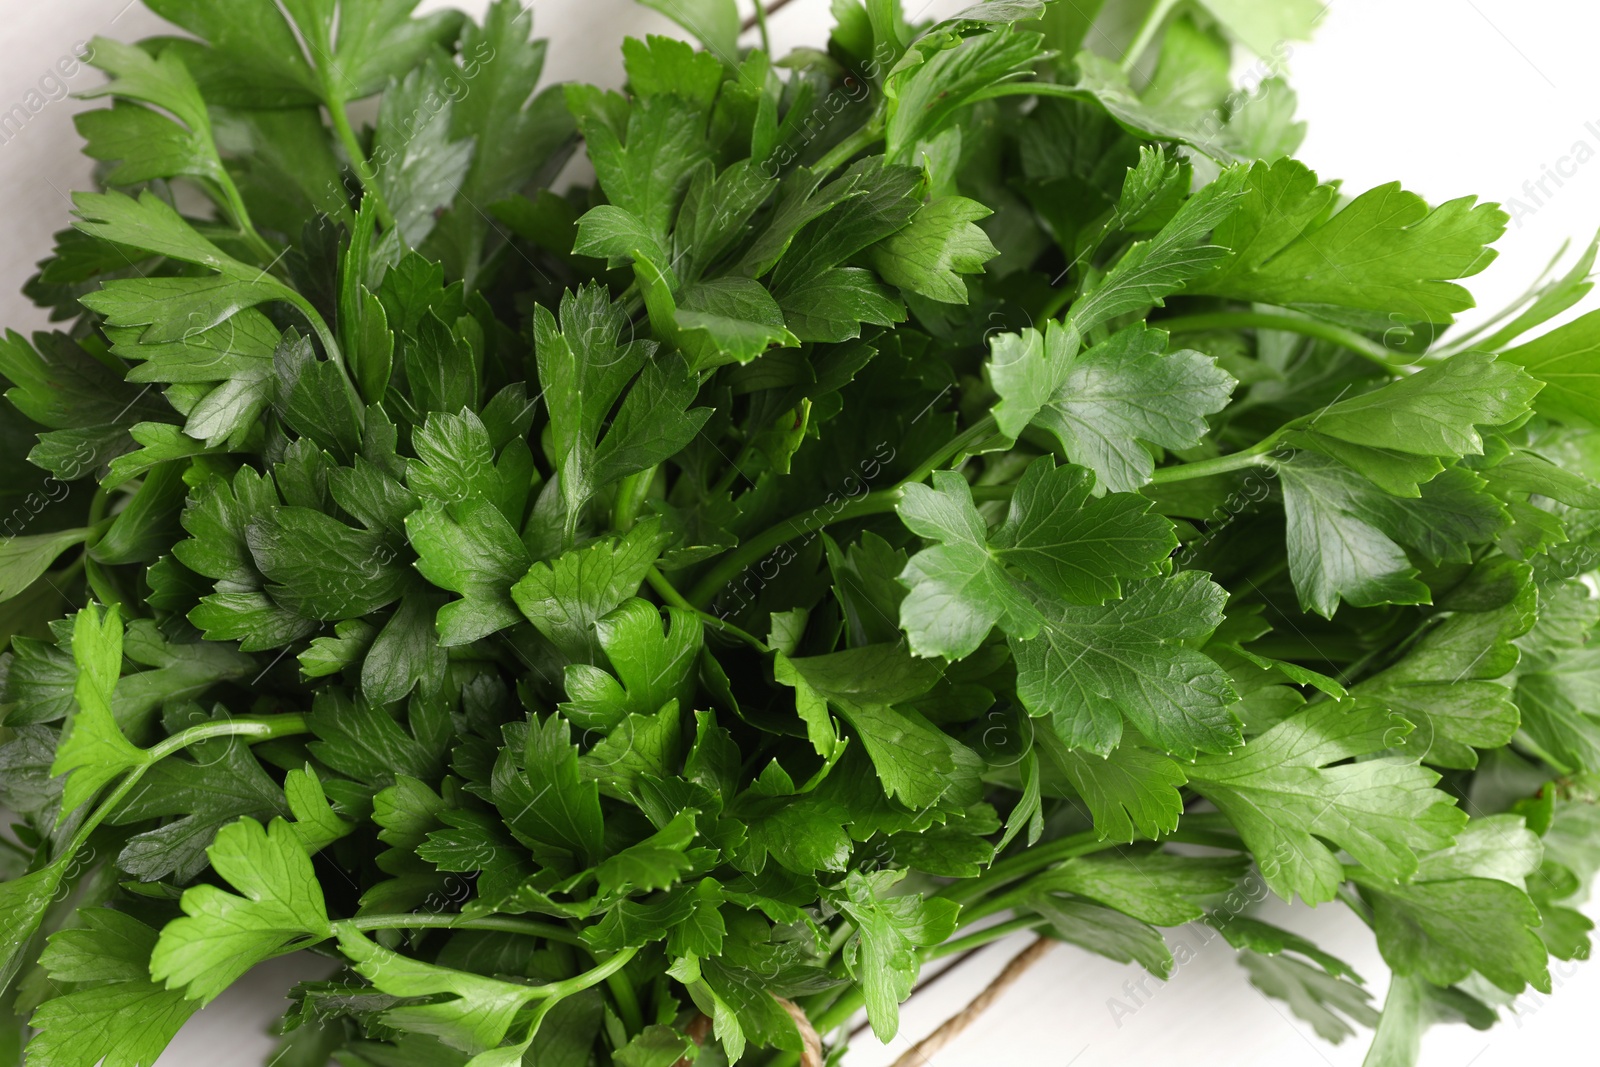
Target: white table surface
1454,97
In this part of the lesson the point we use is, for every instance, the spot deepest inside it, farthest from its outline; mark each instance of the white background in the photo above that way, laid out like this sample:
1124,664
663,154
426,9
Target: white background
1454,97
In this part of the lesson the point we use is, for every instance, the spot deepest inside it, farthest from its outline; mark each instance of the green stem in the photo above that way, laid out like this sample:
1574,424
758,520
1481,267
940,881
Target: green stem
669,593
627,1001
1266,320
631,494
94,575
1348,897
621,989
241,218
953,452
1254,456
1147,32
264,729
1208,838
757,547
500,923
319,326
734,471
99,504
761,22
1058,300
330,344
358,158
840,154
877,503
550,990
979,938
1023,864
593,976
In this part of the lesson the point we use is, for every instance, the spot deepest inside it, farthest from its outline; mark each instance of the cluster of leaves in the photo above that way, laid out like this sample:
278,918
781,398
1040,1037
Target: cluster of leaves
917,480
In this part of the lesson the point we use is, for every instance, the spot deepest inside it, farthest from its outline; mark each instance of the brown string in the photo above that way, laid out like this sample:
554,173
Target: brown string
924,985
952,1028
772,9
699,1028
919,1055
811,1044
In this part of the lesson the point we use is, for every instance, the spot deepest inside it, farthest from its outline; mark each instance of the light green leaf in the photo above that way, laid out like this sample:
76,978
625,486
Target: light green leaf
942,243
24,559
1384,257
1131,792
567,596
1436,411
1128,390
648,666
882,955
714,22
113,1015
1091,667
469,548
475,1018
913,758
221,936
1465,910
1265,26
1285,801
93,750
1075,546
1155,887
1567,361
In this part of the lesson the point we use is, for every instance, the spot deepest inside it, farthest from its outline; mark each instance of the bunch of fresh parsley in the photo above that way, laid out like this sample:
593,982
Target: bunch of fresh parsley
963,480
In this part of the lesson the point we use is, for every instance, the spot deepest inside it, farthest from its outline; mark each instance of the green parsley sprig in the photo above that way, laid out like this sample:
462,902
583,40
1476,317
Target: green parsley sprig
915,492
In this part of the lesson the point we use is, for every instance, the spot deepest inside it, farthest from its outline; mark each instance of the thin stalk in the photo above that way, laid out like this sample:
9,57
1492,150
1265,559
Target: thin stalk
989,934
753,550
876,503
1348,897
1208,838
94,575
762,11
1023,864
761,21
358,157
500,923
1147,32
234,203
631,494
263,729
591,977
1254,456
669,593
735,470
330,344
550,990
627,1001
1266,320
862,139
953,452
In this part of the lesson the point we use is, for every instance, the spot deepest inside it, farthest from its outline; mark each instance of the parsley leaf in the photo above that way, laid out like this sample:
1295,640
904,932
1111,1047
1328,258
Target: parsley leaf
1286,800
114,1013
1384,253
223,935
1089,668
